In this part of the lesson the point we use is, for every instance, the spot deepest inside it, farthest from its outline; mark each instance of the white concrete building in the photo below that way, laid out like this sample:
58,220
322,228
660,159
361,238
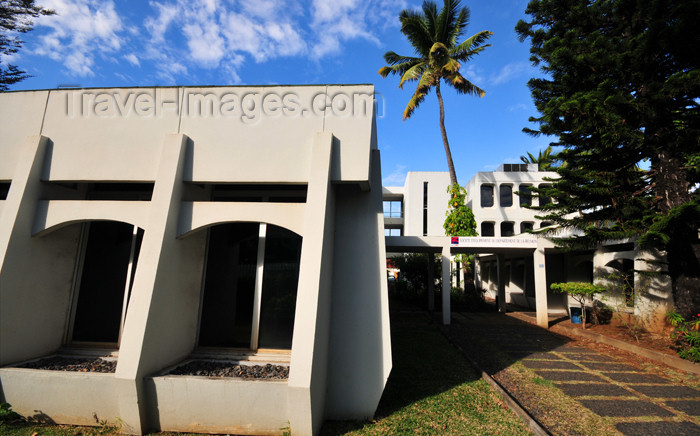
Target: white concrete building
158,225
506,266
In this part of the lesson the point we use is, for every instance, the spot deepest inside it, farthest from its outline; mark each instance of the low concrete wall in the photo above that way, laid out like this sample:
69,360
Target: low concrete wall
61,397
221,405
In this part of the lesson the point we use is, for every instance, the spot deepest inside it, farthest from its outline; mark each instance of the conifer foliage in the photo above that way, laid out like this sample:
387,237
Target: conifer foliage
621,93
15,19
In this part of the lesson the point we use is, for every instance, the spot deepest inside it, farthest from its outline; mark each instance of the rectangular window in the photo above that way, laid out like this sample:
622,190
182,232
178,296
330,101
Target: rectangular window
250,287
487,229
393,209
526,227
425,208
103,283
506,195
486,195
525,195
392,232
507,228
544,199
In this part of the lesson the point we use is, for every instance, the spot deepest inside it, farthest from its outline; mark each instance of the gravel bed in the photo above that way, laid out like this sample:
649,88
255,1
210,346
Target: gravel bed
229,369
59,363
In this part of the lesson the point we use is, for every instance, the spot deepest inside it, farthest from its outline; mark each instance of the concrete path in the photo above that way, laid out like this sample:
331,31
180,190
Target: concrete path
637,400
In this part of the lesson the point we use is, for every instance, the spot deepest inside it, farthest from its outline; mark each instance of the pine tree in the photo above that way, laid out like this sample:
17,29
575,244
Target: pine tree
621,93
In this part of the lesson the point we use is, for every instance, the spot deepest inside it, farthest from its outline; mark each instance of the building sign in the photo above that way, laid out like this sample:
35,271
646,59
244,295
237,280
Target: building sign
487,242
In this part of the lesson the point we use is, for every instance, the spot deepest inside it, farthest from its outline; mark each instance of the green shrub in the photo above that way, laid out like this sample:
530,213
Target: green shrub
685,335
579,291
7,414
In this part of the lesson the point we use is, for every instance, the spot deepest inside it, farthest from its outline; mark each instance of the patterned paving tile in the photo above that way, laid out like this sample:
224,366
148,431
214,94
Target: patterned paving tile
658,428
631,377
589,357
667,391
568,376
606,366
691,407
549,364
591,389
572,349
626,408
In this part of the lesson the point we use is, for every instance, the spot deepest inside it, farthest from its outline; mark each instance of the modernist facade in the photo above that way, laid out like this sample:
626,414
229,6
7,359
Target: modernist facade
152,226
504,268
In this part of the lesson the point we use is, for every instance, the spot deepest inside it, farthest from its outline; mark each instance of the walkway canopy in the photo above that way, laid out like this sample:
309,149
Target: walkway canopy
448,246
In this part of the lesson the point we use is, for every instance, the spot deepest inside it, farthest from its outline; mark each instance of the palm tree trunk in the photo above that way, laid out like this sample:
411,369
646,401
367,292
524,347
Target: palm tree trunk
445,142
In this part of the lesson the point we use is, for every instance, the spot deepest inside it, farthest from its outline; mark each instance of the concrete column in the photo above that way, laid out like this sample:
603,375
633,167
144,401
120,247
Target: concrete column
23,324
309,362
501,267
161,318
446,285
431,282
540,273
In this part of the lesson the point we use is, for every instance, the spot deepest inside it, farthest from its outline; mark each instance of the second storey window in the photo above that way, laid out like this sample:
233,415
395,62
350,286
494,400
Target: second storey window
488,229
506,195
486,195
525,195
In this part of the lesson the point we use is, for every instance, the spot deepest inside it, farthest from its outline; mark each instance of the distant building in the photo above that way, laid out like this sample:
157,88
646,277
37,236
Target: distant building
500,202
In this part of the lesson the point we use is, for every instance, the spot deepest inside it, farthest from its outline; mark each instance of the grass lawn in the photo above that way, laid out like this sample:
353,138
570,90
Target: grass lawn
432,390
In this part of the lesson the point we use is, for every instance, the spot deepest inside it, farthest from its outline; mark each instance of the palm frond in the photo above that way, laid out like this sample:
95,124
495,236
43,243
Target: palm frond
471,46
446,20
451,67
462,85
426,82
414,27
459,28
412,73
430,13
400,68
392,58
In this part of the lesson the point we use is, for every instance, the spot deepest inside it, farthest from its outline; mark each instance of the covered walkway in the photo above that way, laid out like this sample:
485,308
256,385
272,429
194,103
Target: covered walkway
447,246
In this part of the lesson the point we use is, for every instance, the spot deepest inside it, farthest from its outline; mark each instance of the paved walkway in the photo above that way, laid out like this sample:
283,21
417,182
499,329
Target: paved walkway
637,400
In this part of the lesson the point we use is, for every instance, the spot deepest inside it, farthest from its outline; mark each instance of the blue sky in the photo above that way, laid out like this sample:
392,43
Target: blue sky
99,43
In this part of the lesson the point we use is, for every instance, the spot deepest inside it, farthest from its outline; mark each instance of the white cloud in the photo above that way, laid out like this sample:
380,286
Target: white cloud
80,30
509,72
397,177
177,35
132,59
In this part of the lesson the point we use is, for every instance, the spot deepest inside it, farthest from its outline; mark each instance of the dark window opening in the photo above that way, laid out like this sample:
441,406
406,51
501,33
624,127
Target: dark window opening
488,229
279,288
526,227
513,168
544,199
4,190
109,263
237,253
525,195
120,191
623,276
544,224
506,195
259,193
486,195
507,228
229,287
425,208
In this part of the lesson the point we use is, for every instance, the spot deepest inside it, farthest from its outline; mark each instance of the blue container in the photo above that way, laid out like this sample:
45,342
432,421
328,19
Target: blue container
576,315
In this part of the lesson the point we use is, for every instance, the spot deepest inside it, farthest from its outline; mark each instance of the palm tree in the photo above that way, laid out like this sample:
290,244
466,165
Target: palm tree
434,37
545,161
